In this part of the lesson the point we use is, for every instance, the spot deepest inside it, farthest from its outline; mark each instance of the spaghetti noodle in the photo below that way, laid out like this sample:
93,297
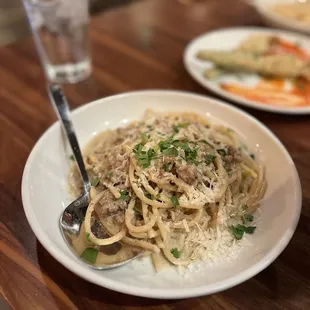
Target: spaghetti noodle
158,180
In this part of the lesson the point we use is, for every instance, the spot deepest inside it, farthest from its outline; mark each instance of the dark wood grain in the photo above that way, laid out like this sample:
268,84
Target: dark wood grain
138,46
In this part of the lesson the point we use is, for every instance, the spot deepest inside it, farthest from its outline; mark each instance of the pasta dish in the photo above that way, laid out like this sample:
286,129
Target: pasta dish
161,185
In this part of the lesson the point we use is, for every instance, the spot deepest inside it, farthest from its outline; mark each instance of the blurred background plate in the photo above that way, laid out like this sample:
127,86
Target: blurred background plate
264,7
229,39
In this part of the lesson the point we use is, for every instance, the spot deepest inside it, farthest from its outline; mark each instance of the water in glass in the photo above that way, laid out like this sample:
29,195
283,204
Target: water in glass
60,29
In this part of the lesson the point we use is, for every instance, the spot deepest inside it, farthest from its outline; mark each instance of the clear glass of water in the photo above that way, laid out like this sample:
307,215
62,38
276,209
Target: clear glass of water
60,29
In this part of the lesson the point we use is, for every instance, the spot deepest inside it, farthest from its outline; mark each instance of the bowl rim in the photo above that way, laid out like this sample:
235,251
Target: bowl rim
176,293
235,98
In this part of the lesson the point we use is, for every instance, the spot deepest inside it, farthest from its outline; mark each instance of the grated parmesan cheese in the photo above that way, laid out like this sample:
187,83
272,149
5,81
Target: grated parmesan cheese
213,245
185,225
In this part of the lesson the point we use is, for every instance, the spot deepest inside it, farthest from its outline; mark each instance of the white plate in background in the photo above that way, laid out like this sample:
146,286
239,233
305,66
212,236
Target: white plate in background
229,39
264,8
45,196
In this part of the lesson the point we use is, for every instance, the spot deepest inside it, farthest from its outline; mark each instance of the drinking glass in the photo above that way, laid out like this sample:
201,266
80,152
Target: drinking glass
60,30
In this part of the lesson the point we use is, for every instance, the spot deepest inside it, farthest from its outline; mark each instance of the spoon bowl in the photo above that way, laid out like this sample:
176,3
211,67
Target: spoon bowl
73,216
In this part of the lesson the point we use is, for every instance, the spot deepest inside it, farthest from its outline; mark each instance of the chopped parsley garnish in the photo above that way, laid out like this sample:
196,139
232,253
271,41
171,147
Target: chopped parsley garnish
205,142
178,144
72,157
110,174
176,128
166,144
124,195
158,196
252,156
247,218
210,159
138,148
143,160
181,145
175,201
171,152
90,255
151,153
250,218
239,230
94,181
170,147
144,157
250,229
175,252
191,156
222,152
229,130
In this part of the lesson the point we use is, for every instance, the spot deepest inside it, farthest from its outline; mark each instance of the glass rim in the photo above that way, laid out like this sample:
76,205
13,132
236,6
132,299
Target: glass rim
42,3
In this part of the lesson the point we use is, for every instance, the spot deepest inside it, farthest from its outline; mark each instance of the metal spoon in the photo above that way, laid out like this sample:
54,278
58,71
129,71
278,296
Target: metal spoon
73,216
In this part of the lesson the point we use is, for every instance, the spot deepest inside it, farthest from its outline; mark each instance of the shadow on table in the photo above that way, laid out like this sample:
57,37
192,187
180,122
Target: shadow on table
84,294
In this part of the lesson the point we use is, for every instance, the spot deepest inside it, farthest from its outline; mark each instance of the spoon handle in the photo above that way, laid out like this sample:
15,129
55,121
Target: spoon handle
60,104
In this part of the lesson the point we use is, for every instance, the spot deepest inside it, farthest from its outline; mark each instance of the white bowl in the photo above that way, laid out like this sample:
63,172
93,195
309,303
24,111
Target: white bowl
44,196
264,7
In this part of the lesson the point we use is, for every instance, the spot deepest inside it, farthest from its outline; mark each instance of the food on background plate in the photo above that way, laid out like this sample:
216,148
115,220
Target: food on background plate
298,12
268,56
256,44
274,59
173,185
274,91
268,65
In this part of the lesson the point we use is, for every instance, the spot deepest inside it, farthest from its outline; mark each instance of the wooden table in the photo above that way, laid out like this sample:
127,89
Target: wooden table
134,47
